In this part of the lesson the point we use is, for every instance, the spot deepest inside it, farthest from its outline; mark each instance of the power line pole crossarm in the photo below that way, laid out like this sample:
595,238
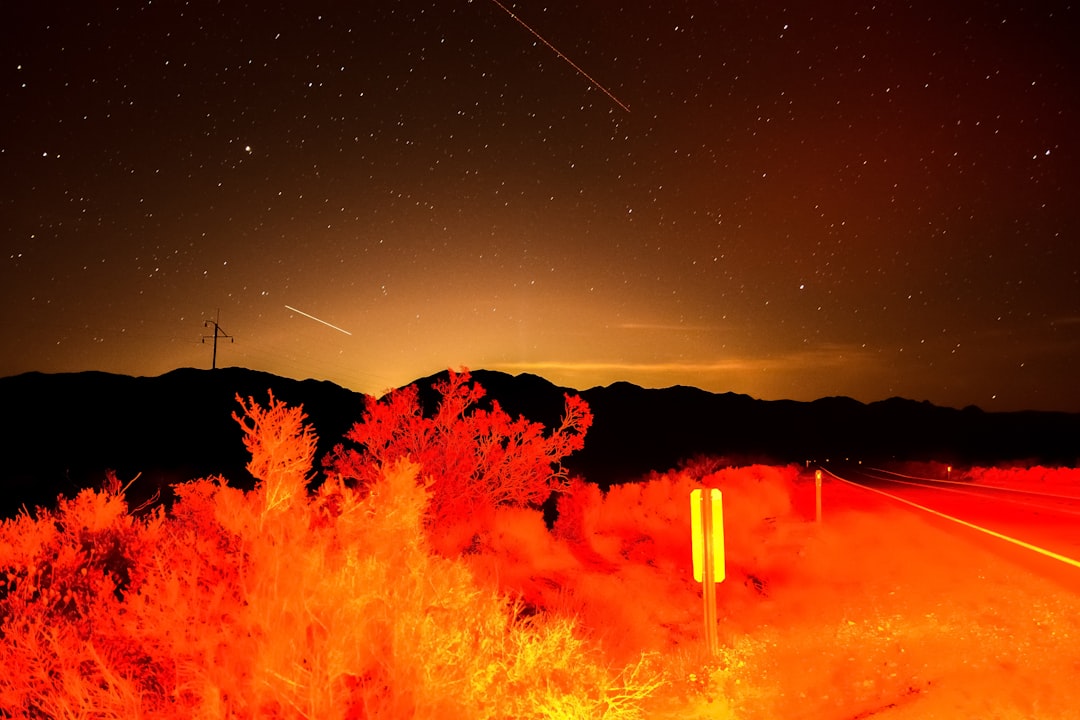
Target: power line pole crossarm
218,333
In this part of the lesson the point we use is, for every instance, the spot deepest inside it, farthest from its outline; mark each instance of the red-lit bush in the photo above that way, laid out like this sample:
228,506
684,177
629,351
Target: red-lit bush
66,577
477,459
636,539
1033,478
276,603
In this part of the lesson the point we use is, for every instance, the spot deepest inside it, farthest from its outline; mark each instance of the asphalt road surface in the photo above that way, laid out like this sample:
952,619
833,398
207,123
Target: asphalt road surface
1036,529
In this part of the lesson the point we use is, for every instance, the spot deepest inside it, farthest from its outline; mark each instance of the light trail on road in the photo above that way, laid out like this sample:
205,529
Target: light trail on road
993,533
1037,502
969,485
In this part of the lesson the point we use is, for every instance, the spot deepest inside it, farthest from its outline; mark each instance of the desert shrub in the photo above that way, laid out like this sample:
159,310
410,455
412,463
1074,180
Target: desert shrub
635,540
648,521
632,541
65,578
519,556
477,459
755,498
280,603
651,520
1036,477
573,504
282,448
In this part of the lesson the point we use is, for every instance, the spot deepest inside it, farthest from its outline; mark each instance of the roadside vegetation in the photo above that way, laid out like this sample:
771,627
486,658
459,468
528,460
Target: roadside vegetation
412,575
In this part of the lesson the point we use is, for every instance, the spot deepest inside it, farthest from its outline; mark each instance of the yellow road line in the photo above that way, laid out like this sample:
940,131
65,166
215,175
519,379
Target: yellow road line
975,491
1028,546
978,485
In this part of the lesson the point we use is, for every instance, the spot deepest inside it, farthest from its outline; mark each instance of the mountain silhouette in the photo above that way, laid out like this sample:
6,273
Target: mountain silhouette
66,430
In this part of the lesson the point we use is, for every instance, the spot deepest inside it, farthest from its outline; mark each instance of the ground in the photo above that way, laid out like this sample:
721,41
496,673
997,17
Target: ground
337,605
882,612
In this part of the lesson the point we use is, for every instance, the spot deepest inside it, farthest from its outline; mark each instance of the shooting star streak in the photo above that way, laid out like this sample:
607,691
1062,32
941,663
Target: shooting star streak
555,50
312,317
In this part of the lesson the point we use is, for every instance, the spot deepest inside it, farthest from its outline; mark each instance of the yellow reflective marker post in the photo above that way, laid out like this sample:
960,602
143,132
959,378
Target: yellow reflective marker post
707,544
707,521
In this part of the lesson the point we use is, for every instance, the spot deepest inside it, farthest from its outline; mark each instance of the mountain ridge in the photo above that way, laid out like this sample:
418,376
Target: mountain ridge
71,427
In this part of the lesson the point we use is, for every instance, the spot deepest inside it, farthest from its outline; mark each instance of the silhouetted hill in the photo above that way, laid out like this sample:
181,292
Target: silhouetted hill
636,430
67,429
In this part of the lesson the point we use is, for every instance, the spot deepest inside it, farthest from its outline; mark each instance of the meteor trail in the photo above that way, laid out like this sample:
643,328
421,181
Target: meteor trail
555,50
312,317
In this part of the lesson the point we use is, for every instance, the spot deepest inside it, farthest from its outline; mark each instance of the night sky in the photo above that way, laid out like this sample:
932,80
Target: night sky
857,199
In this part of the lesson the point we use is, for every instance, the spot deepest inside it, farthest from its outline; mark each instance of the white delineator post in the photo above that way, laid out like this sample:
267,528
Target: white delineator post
817,496
707,538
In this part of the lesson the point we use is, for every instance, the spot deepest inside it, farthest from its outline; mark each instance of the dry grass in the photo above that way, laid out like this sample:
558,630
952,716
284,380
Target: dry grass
275,604
283,603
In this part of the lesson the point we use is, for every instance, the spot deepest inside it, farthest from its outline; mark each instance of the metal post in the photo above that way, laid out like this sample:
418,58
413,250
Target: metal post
708,579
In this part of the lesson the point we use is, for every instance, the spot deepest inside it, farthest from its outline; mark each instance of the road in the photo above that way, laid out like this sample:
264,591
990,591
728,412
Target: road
1039,530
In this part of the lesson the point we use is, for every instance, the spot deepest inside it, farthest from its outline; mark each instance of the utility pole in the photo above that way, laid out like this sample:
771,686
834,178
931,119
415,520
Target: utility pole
218,333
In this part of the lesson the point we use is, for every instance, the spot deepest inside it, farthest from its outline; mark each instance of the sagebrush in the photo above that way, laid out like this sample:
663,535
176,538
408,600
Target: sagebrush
284,602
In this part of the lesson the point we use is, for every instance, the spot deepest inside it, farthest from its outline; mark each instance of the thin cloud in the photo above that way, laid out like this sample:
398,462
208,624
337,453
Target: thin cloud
828,356
666,327
619,367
